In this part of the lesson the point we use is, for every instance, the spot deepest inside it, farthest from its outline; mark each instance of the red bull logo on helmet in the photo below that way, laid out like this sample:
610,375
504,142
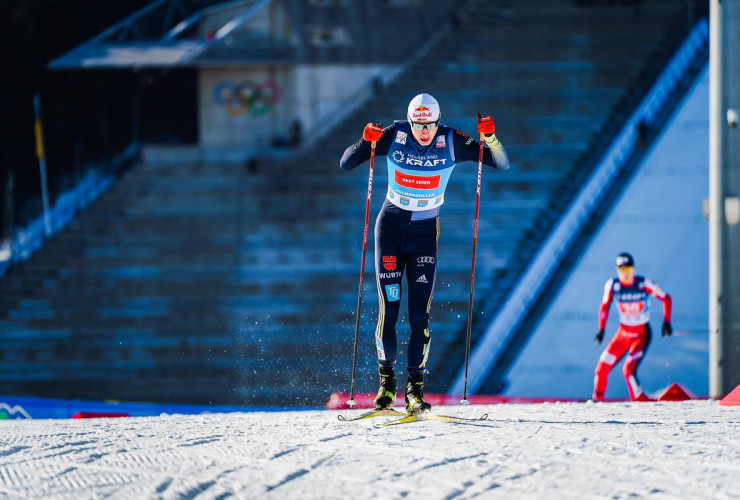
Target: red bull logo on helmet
422,113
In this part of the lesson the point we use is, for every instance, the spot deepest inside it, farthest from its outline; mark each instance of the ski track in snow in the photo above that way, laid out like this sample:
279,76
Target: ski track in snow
557,450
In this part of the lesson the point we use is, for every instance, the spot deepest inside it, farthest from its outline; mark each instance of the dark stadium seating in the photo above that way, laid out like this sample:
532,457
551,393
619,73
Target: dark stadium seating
213,283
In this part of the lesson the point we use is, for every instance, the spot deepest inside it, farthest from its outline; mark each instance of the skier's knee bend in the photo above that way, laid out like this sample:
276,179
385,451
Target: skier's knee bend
390,310
602,369
629,368
419,322
387,319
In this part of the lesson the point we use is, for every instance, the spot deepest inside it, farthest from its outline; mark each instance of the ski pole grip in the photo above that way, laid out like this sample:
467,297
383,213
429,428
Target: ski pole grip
479,117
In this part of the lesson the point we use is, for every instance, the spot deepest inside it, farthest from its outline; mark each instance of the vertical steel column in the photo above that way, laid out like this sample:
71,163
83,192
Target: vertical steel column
724,187
716,208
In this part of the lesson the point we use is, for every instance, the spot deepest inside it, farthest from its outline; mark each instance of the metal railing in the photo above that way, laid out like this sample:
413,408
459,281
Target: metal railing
23,242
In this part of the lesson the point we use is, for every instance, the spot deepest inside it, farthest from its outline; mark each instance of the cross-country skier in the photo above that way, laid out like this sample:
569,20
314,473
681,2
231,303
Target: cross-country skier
632,294
420,154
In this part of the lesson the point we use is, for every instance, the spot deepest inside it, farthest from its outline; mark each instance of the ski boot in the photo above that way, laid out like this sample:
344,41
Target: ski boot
386,397
415,403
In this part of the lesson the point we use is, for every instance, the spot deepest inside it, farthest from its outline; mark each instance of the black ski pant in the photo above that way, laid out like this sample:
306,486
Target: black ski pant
411,246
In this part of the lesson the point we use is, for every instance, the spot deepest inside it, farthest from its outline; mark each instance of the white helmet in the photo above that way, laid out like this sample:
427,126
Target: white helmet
423,107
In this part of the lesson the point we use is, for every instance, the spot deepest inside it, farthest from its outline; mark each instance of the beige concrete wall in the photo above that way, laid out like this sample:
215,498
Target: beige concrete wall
270,99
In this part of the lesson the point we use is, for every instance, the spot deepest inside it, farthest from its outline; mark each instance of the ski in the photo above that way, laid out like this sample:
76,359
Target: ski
385,412
419,418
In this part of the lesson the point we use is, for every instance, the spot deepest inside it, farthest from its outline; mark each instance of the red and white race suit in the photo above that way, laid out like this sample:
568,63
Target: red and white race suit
634,332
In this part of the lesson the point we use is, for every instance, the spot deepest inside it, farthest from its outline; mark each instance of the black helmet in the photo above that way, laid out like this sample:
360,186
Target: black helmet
625,260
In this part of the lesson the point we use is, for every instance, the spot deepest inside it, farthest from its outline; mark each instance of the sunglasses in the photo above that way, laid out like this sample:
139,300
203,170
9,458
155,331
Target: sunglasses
421,126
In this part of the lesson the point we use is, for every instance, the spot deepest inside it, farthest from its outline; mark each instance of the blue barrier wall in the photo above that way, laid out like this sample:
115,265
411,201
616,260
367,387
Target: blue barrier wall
34,408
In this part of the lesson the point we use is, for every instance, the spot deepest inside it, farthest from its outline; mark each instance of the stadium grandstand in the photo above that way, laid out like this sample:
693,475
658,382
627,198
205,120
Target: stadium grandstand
215,257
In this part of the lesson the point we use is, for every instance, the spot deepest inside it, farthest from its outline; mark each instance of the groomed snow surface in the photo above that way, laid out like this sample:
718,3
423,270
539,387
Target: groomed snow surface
554,450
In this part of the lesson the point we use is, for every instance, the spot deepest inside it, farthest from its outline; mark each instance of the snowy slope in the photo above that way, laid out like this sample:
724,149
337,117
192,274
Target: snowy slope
561,450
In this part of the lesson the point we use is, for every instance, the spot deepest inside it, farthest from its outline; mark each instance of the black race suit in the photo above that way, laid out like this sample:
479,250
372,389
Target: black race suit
407,227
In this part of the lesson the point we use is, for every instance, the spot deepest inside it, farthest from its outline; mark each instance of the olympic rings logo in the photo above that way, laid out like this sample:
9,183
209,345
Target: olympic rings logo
247,96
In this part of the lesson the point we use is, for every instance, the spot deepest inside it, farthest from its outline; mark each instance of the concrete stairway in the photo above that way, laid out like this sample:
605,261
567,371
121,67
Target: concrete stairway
213,283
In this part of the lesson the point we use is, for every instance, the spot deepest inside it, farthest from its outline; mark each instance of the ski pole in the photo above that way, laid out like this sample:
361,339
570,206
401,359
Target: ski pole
472,267
351,401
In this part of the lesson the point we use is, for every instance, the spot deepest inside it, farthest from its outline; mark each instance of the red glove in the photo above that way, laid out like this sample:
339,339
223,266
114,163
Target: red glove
372,132
485,125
